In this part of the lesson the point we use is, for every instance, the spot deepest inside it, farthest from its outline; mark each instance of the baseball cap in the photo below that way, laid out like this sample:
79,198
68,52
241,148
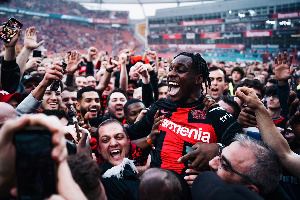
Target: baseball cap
208,185
26,78
82,69
5,96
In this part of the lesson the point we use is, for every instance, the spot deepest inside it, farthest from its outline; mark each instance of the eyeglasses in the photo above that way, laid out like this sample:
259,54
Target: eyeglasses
227,166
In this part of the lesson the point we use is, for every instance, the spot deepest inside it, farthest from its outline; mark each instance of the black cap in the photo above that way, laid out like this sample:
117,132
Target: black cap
208,185
26,78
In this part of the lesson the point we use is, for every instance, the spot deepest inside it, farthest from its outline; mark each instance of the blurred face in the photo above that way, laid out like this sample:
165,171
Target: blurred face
236,76
30,85
91,81
217,84
256,73
272,76
160,72
130,90
228,70
235,156
104,64
133,110
113,143
116,105
273,102
51,99
226,107
90,102
109,88
163,92
13,102
41,70
183,81
69,98
81,82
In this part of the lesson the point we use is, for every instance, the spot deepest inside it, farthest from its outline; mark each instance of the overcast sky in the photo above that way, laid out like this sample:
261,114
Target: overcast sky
135,10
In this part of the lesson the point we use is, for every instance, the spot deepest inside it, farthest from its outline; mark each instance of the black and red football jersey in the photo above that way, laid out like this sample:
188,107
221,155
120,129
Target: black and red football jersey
184,125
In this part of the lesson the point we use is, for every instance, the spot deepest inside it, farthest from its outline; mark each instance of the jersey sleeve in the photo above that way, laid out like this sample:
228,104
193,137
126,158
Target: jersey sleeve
143,127
225,125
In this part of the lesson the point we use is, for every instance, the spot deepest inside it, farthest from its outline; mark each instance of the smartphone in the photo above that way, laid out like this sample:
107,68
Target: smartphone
10,29
55,83
37,53
189,149
35,168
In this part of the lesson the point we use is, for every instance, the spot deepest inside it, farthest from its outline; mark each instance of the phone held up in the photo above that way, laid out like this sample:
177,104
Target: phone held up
35,168
55,83
10,29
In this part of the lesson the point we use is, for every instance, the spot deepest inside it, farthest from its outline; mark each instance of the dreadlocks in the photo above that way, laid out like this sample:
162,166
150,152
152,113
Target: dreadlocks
199,64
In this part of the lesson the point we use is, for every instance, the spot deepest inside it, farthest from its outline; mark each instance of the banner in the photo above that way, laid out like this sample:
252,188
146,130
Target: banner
172,36
258,33
201,22
210,35
232,35
286,15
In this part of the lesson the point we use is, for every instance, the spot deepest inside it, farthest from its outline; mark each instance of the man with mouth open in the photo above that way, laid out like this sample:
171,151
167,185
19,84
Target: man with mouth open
187,123
88,100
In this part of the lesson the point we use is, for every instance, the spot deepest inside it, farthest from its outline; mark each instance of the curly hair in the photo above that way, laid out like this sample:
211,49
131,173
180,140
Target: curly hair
200,66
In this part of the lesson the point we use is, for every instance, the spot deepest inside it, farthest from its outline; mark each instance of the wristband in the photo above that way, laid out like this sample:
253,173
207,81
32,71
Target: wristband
221,145
109,71
149,142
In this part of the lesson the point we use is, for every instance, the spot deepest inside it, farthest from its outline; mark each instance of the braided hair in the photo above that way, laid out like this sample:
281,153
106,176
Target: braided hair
200,66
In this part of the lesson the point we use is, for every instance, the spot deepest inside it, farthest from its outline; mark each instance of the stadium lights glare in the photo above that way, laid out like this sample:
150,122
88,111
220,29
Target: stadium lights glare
230,11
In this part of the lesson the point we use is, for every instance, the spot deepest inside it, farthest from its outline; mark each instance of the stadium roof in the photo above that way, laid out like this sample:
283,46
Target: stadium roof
136,1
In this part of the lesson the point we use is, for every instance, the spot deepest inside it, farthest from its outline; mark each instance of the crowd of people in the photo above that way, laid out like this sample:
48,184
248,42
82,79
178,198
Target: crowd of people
60,35
131,126
64,8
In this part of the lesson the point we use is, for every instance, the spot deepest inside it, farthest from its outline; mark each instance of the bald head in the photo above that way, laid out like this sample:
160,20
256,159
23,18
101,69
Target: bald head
7,112
159,184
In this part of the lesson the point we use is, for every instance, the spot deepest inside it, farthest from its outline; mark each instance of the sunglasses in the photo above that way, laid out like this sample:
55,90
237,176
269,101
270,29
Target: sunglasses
227,167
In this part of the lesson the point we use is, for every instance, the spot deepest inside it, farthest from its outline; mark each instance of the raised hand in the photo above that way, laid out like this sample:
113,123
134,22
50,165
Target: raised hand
283,68
155,132
53,72
30,39
72,61
152,54
91,53
14,41
112,64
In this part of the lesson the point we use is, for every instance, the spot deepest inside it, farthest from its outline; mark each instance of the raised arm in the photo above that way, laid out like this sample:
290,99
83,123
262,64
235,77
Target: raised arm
269,133
30,44
10,72
283,72
123,72
105,79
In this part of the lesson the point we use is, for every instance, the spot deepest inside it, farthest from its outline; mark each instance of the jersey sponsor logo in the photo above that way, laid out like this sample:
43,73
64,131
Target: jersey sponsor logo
199,114
225,117
192,133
